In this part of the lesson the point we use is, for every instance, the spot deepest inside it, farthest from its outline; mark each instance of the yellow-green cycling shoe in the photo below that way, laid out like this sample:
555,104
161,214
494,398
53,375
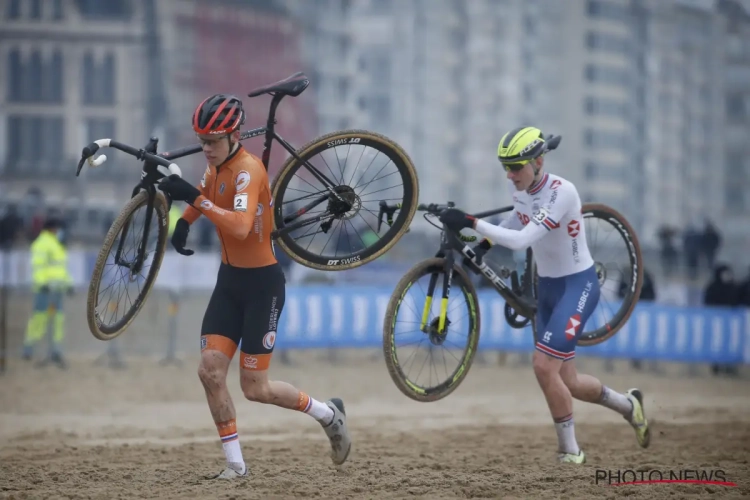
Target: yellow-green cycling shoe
638,418
570,458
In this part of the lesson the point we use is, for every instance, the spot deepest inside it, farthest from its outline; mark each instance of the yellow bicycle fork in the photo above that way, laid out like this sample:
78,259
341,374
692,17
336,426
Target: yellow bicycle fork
443,302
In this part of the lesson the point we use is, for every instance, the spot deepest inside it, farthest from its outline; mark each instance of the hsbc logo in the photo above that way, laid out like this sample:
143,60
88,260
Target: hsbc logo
574,227
555,184
572,328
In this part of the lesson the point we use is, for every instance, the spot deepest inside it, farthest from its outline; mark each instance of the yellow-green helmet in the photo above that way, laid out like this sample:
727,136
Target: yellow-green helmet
520,145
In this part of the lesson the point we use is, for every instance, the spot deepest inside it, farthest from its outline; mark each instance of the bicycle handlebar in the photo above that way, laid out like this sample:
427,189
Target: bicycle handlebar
433,208
87,155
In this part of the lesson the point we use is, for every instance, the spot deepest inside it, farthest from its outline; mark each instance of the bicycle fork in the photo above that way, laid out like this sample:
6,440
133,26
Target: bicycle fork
448,272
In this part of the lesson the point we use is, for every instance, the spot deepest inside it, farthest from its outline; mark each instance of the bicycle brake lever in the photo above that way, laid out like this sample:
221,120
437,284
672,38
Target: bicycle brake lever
389,211
80,166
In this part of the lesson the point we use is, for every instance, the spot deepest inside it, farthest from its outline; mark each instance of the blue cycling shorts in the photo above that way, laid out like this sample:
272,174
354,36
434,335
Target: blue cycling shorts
564,306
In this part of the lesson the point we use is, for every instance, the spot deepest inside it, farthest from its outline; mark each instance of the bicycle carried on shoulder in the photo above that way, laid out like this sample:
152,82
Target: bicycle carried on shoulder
330,198
448,325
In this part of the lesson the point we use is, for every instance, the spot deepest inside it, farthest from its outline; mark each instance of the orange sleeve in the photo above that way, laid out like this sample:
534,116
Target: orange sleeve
239,221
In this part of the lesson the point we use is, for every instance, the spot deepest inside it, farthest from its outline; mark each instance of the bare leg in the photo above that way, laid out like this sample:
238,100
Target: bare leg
212,372
591,390
559,400
256,387
330,415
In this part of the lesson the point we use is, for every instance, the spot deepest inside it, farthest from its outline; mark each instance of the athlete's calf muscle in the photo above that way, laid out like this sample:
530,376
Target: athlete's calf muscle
212,373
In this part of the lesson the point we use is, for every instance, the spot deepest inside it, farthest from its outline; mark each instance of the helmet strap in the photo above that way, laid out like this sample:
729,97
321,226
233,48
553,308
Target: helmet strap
536,170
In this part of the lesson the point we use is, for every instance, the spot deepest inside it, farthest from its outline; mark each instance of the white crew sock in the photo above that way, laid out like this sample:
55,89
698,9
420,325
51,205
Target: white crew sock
616,401
566,435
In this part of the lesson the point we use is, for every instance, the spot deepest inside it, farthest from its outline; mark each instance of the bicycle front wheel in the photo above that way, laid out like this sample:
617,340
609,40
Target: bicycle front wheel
334,232
429,354
121,282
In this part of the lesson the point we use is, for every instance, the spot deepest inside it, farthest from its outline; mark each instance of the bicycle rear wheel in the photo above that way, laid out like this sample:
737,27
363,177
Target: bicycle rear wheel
617,257
412,334
111,308
318,230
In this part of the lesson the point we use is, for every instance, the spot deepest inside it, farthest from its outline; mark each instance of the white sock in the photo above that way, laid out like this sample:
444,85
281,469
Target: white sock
566,435
233,452
319,411
230,441
616,401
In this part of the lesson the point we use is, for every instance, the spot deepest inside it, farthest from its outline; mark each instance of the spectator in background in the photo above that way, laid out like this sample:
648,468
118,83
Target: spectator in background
722,291
743,292
648,294
711,241
11,226
36,223
668,252
49,266
692,243
174,215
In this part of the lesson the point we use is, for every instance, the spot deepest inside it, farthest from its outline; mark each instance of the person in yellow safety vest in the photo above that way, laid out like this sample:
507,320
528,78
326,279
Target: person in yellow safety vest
51,280
174,215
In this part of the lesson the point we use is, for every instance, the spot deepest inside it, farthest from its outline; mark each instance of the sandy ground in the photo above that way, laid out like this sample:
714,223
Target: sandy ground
145,432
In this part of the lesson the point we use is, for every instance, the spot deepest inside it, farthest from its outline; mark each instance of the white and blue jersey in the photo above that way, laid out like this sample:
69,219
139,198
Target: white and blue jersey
568,286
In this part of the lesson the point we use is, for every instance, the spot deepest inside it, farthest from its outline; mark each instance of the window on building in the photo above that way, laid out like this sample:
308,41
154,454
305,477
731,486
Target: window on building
29,156
52,83
608,43
15,76
603,9
33,77
610,75
602,139
14,9
736,108
109,9
57,10
603,106
98,80
36,9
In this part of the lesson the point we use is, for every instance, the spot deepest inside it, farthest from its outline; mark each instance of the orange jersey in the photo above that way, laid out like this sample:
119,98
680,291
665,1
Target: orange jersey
236,197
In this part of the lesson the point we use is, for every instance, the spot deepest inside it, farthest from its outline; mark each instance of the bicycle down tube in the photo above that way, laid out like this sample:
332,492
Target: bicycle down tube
452,241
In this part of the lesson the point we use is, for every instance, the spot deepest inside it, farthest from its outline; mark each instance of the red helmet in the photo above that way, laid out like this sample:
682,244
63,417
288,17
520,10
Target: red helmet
217,115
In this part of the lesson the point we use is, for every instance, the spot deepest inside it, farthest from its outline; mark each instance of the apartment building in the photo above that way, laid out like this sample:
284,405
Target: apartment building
70,69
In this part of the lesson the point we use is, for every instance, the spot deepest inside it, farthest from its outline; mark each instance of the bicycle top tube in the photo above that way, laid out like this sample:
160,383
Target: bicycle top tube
196,148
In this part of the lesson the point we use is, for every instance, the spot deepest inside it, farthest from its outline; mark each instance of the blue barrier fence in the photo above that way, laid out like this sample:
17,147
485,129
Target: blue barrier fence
324,316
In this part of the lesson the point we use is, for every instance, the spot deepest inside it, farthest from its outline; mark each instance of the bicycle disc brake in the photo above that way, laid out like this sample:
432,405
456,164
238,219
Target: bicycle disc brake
436,336
342,209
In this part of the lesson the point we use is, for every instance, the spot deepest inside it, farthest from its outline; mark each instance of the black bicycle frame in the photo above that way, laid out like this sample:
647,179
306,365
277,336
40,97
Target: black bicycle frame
150,176
450,241
271,134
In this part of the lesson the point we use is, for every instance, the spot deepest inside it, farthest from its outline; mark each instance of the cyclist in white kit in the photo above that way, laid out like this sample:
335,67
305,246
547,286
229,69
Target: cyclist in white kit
548,218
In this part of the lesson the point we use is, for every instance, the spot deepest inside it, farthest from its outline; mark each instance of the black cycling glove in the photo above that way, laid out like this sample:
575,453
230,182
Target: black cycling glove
179,237
179,189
